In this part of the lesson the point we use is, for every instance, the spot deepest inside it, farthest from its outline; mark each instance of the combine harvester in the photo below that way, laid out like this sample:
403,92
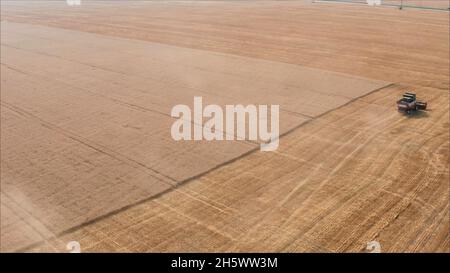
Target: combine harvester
409,103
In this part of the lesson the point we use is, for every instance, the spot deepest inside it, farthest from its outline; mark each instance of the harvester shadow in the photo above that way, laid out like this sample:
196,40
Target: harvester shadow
418,114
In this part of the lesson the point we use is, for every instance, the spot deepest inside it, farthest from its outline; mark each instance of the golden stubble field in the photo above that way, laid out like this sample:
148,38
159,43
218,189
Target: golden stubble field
78,127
